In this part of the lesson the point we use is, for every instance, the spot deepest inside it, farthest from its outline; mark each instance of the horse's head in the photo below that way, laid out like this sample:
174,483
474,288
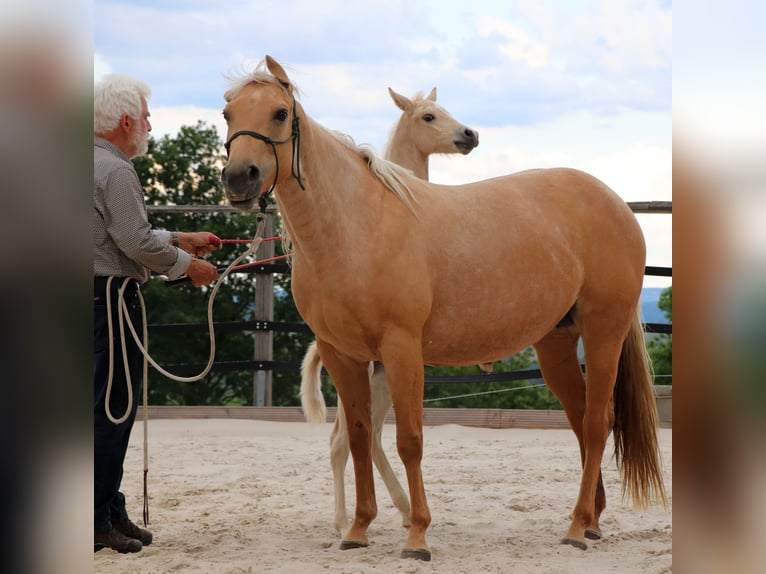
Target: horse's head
260,117
432,128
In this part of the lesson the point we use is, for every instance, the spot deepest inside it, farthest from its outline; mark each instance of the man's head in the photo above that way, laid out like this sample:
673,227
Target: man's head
121,114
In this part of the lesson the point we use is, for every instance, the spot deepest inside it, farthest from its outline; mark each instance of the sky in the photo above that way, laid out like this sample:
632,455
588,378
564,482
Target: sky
577,83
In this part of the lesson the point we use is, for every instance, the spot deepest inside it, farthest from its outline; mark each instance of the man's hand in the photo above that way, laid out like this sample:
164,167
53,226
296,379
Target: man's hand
201,272
198,243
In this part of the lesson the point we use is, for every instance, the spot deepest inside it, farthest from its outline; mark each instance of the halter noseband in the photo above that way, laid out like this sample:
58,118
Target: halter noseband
295,166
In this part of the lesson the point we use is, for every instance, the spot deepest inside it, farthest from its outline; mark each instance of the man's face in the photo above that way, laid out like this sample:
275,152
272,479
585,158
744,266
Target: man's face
141,128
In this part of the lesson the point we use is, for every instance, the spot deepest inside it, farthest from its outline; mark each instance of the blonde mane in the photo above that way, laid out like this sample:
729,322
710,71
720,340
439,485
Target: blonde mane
259,74
389,173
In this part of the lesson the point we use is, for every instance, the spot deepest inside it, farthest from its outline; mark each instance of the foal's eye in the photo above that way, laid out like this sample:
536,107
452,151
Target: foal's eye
281,115
428,118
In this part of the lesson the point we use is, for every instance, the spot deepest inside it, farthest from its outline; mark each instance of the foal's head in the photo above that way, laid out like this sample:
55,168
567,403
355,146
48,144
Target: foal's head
432,128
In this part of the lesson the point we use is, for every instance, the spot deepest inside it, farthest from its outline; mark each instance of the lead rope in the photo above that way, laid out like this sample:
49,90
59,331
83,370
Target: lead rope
124,318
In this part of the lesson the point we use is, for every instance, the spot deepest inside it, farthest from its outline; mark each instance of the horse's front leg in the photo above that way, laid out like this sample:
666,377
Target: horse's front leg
352,383
403,360
381,404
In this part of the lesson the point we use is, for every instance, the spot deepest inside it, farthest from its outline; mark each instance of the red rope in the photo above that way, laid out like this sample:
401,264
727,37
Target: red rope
254,263
248,240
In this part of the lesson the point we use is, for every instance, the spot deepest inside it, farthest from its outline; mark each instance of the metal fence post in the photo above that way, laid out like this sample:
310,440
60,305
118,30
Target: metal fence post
263,340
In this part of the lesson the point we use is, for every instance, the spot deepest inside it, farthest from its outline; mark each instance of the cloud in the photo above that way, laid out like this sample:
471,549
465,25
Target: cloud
523,62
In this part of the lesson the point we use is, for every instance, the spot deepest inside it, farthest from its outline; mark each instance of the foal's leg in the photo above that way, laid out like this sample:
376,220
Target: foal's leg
557,356
381,404
352,382
339,450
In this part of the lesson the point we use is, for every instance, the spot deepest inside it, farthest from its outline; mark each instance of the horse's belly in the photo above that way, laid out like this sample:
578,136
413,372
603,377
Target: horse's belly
487,327
469,345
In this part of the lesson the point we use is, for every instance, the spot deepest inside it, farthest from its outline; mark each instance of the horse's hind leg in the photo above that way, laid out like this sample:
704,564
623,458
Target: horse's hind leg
381,404
602,340
557,356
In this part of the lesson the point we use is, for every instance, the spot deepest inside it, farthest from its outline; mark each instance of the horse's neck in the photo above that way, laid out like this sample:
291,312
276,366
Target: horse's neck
402,151
334,177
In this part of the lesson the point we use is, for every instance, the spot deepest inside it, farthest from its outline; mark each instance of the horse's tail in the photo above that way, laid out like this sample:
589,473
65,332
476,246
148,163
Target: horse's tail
312,400
635,427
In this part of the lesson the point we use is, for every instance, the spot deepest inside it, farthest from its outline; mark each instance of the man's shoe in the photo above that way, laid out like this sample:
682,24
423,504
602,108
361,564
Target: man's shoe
116,540
130,529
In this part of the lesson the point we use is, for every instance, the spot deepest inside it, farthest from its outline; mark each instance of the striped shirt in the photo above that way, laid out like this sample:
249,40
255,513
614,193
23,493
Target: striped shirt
124,244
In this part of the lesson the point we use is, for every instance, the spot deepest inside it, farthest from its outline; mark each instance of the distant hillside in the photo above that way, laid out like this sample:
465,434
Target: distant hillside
651,313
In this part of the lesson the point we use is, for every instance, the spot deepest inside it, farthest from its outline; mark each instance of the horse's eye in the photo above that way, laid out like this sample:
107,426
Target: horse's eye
428,118
281,115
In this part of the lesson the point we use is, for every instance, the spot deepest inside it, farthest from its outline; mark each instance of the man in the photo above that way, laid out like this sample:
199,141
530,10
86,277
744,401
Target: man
126,249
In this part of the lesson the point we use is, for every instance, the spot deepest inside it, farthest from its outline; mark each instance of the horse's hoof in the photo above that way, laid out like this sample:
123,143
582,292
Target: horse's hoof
575,542
592,534
351,544
417,554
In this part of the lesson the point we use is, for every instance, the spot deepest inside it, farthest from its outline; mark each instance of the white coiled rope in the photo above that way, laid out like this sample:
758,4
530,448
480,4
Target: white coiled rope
124,317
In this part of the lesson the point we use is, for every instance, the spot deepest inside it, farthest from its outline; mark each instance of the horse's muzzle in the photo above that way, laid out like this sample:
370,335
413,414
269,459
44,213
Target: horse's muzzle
242,184
466,140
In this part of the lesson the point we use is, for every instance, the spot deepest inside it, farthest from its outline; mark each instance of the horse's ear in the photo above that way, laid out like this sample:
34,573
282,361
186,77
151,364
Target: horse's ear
401,102
432,95
278,72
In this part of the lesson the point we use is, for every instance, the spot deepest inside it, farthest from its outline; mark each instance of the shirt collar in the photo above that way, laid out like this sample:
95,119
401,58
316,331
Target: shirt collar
107,145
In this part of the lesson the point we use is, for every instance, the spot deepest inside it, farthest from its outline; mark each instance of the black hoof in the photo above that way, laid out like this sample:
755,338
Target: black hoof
574,542
417,554
593,534
351,544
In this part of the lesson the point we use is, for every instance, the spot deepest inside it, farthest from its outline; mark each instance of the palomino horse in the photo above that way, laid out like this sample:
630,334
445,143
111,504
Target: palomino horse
424,128
390,268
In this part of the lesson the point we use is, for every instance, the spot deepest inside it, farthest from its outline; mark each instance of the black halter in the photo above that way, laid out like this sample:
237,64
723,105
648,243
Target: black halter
295,165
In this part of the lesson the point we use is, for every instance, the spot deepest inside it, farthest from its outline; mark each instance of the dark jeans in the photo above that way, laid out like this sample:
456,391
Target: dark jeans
110,441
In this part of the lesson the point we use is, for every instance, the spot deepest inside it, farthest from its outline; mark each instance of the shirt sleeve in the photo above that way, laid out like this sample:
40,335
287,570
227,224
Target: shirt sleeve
128,225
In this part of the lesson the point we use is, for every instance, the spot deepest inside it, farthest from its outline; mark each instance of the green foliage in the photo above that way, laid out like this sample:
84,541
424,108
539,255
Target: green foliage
186,170
660,346
532,394
522,394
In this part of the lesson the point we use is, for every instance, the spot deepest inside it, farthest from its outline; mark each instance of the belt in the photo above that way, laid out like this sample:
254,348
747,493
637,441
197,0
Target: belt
99,285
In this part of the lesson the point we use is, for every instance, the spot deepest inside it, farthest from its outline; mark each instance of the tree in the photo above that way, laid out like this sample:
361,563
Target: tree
660,346
185,169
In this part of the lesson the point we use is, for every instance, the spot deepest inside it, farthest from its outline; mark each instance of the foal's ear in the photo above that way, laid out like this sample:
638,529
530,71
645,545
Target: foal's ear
401,102
278,72
432,95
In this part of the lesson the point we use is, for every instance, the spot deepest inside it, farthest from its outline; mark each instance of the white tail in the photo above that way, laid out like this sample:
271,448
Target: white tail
312,400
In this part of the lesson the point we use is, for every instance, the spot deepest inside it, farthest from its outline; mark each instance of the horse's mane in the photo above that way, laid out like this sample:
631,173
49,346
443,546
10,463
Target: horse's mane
259,74
388,172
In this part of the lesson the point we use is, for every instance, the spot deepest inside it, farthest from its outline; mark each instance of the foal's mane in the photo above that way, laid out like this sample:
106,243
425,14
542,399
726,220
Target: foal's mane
389,173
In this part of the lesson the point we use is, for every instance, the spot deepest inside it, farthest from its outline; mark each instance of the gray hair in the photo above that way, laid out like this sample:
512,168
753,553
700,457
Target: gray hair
115,95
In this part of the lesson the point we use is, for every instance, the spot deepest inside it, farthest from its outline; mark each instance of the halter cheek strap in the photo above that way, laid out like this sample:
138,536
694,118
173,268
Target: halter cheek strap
295,165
